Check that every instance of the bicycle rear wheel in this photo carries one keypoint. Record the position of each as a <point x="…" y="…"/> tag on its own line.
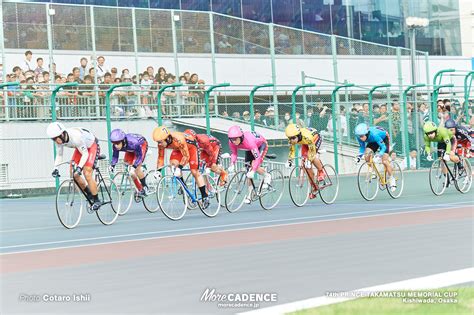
<point x="299" y="186"/>
<point x="69" y="204"/>
<point x="367" y="182"/>
<point x="464" y="179"/>
<point x="171" y="198"/>
<point x="269" y="197"/>
<point x="214" y="197"/>
<point x="236" y="192"/>
<point x="396" y="191"/>
<point x="329" y="187"/>
<point x="127" y="189"/>
<point x="111" y="202"/>
<point x="438" y="180"/>
<point x="150" y="202"/>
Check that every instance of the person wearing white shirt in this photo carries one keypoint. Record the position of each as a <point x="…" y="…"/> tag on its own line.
<point x="412" y="158"/>
<point x="28" y="64"/>
<point x="101" y="68"/>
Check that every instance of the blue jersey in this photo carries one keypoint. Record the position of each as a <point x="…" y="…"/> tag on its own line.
<point x="376" y="135"/>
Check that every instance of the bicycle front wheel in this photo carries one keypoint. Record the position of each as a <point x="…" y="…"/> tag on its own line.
<point x="438" y="179"/>
<point x="191" y="185"/>
<point x="69" y="204"/>
<point x="329" y="187"/>
<point x="150" y="202"/>
<point x="236" y="192"/>
<point x="395" y="191"/>
<point x="214" y="197"/>
<point x="368" y="182"/>
<point x="299" y="186"/>
<point x="270" y="194"/>
<point x="464" y="179"/>
<point x="127" y="189"/>
<point x="171" y="198"/>
<point x="111" y="202"/>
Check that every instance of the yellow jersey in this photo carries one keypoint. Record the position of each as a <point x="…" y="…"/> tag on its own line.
<point x="309" y="137"/>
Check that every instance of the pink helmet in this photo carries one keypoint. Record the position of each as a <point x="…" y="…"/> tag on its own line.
<point x="235" y="132"/>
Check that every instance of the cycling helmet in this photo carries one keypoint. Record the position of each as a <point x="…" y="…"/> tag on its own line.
<point x="191" y="132"/>
<point x="292" y="130"/>
<point x="117" y="135"/>
<point x="235" y="132"/>
<point x="161" y="133"/>
<point x="361" y="129"/>
<point x="55" y="129"/>
<point x="429" y="127"/>
<point x="450" y="123"/>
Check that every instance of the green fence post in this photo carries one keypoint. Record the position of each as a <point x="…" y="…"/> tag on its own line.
<point x="371" y="92"/>
<point x="160" y="92"/>
<point x="53" y="114"/>
<point x="252" y="111"/>
<point x="206" y="98"/>
<point x="405" y="121"/>
<point x="434" y="98"/>
<point x="107" y="111"/>
<point x="439" y="75"/>
<point x="334" y="127"/>
<point x="467" y="92"/>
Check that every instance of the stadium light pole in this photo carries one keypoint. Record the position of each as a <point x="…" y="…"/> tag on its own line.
<point x="414" y="23"/>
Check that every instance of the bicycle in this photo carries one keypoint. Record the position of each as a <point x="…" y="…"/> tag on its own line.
<point x="130" y="193"/>
<point x="300" y="184"/>
<point x="175" y="197"/>
<point x="69" y="196"/>
<point x="370" y="179"/>
<point x="441" y="175"/>
<point x="237" y="189"/>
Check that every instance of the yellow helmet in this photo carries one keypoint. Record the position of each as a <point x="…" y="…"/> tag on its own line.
<point x="160" y="133"/>
<point x="292" y="130"/>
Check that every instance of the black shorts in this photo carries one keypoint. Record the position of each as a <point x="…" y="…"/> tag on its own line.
<point x="442" y="146"/>
<point x="374" y="146"/>
<point x="249" y="156"/>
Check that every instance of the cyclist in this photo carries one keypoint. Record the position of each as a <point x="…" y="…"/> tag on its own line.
<point x="184" y="151"/>
<point x="85" y="156"/>
<point x="210" y="148"/>
<point x="135" y="147"/>
<point x="255" y="147"/>
<point x="375" y="139"/>
<point x="310" y="141"/>
<point x="462" y="134"/>
<point x="445" y="139"/>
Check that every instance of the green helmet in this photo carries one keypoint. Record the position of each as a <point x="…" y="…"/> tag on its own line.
<point x="429" y="127"/>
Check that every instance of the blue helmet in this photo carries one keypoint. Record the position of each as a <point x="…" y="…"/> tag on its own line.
<point x="117" y="135"/>
<point x="361" y="129"/>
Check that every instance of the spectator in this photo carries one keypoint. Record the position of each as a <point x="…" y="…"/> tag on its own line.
<point x="113" y="72"/>
<point x="381" y="118"/>
<point x="28" y="63"/>
<point x="39" y="66"/>
<point x="287" y="120"/>
<point x="101" y="69"/>
<point x="396" y="125"/>
<point x="299" y="121"/>
<point x="151" y="71"/>
<point x="87" y="89"/>
<point x="225" y="114"/>
<point x="269" y="119"/>
<point x="160" y="77"/>
<point x="187" y="75"/>
<point x="92" y="74"/>
<point x="322" y="111"/>
<point x="146" y="85"/>
<point x="353" y="117"/>
<point x="76" y="73"/>
<point x="236" y="116"/>
<point x="17" y="72"/>
<point x="224" y="43"/>
<point x="193" y="80"/>
<point x="83" y="68"/>
<point x="412" y="157"/>
<point x="125" y="73"/>
<point x="258" y="117"/>
<point x="364" y="114"/>
<point x="308" y="121"/>
<point x="246" y="116"/>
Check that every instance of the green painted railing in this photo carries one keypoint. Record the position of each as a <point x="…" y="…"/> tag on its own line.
<point x="252" y="110"/>
<point x="434" y="98"/>
<point x="334" y="126"/>
<point x="467" y="91"/>
<point x="405" y="122"/>
<point x="206" y="100"/>
<point x="160" y="93"/>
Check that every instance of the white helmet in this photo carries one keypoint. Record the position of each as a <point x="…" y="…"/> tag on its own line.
<point x="55" y="129"/>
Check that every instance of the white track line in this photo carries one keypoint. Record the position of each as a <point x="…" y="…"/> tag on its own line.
<point x="435" y="281"/>
<point x="212" y="227"/>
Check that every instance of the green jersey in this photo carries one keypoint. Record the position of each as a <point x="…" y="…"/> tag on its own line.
<point x="442" y="135"/>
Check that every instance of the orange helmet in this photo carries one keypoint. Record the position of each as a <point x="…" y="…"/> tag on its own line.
<point x="160" y="133"/>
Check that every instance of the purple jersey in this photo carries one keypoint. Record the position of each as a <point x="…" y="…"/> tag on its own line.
<point x="133" y="144"/>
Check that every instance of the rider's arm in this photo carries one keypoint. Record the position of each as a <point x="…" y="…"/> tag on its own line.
<point x="446" y="139"/>
<point x="82" y="148"/>
<point x="233" y="152"/>
<point x="115" y="156"/>
<point x="427" y="144"/>
<point x="292" y="152"/>
<point x="183" y="148"/>
<point x="383" y="147"/>
<point x="161" y="157"/>
<point x="258" y="157"/>
<point x="312" y="149"/>
<point x="362" y="146"/>
<point x="59" y="155"/>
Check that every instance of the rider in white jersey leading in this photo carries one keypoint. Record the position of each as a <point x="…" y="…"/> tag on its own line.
<point x="85" y="156"/>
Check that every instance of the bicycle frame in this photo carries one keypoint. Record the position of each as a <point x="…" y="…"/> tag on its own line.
<point x="314" y="185"/>
<point x="186" y="189"/>
<point x="99" y="179"/>
<point x="382" y="178"/>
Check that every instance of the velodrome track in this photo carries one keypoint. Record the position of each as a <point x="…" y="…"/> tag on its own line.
<point x="146" y="263"/>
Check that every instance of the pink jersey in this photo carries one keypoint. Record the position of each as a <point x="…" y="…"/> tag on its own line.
<point x="253" y="142"/>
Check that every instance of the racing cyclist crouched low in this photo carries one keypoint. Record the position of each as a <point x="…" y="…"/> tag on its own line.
<point x="375" y="140"/>
<point x="310" y="141"/>
<point x="135" y="147"/>
<point x="85" y="156"/>
<point x="210" y="148"/>
<point x="184" y="151"/>
<point x="255" y="147"/>
<point x="464" y="137"/>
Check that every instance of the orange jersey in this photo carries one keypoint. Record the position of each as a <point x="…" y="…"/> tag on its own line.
<point x="182" y="143"/>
